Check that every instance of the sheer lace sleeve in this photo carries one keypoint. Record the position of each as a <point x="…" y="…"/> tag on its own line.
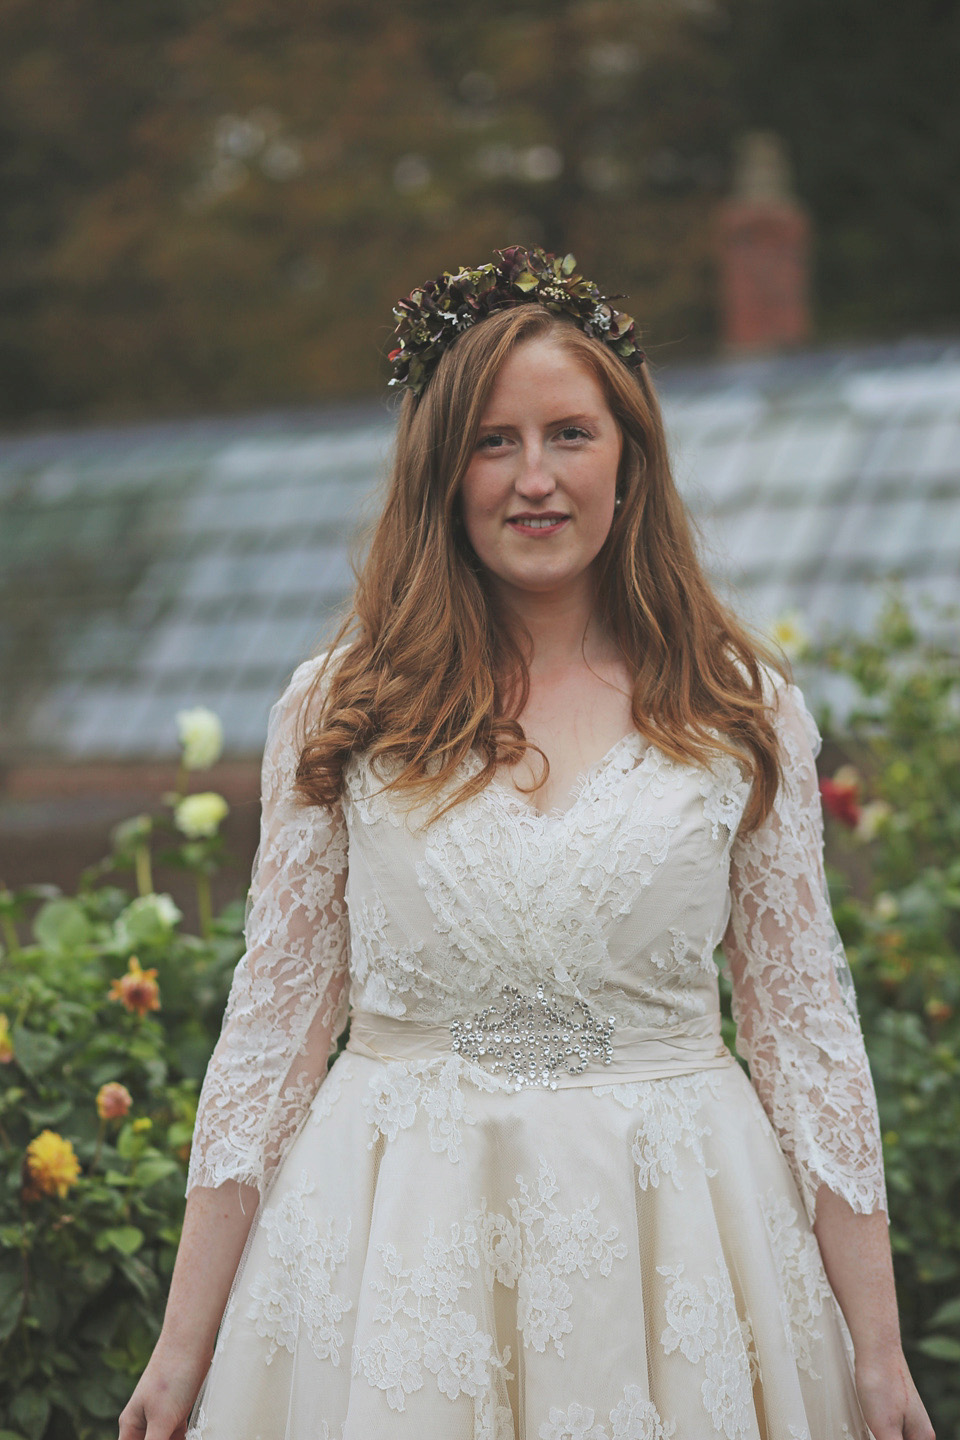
<point x="289" y="997"/>
<point x="793" y="997"/>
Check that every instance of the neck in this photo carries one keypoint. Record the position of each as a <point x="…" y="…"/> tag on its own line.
<point x="562" y="626"/>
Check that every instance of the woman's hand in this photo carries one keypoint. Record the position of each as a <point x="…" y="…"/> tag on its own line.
<point x="160" y="1406"/>
<point x="889" y="1400"/>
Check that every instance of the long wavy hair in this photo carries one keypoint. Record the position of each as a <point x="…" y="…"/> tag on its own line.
<point x="435" y="670"/>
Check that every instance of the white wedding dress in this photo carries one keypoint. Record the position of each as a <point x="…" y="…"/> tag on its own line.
<point x="536" y="1197"/>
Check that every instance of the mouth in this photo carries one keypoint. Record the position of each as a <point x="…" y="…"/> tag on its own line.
<point x="536" y="525"/>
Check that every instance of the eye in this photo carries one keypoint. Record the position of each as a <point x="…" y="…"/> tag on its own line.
<point x="574" y="432"/>
<point x="493" y="441"/>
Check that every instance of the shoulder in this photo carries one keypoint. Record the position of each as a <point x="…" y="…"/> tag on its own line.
<point x="790" y="713"/>
<point x="307" y="672"/>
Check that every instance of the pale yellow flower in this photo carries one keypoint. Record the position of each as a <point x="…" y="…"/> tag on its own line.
<point x="201" y="735"/>
<point x="872" y="817"/>
<point x="52" y="1163"/>
<point x="199" y="816"/>
<point x="6" y="1044"/>
<point x="885" y="907"/>
<point x="790" y="632"/>
<point x="113" y="1100"/>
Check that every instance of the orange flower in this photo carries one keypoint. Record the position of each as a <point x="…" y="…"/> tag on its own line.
<point x="113" y="1101"/>
<point x="138" y="989"/>
<point x="52" y="1164"/>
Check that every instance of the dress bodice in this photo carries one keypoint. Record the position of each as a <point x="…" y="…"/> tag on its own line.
<point x="617" y="902"/>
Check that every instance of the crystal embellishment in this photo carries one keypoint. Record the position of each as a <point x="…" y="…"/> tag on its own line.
<point x="534" y="1039"/>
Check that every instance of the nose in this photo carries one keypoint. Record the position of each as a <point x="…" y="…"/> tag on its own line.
<point x="534" y="482"/>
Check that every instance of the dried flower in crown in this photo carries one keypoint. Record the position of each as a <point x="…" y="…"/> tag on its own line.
<point x="431" y="317"/>
<point x="138" y="990"/>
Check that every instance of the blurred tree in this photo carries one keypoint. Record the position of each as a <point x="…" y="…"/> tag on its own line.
<point x="214" y="206"/>
<point x="864" y="94"/>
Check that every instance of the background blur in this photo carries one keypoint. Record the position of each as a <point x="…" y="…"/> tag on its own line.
<point x="209" y="210"/>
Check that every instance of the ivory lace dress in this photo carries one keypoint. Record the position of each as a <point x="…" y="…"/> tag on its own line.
<point x="536" y="1197"/>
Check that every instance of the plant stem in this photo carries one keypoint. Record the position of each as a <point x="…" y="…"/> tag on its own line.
<point x="96" y="1154"/>
<point x="144" y="876"/>
<point x="10" y="935"/>
<point x="204" y="905"/>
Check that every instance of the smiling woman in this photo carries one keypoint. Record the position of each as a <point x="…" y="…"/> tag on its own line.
<point x="535" y="1197"/>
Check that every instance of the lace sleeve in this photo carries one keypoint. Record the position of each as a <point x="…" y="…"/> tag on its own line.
<point x="289" y="997"/>
<point x="793" y="998"/>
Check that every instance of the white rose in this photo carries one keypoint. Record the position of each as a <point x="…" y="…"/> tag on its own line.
<point x="199" y="816"/>
<point x="201" y="735"/>
<point x="147" y="920"/>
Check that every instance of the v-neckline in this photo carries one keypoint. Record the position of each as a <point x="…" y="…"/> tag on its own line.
<point x="556" y="813"/>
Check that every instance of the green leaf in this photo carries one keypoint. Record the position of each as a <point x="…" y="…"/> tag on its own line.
<point x="149" y="1171"/>
<point x="11" y="1299"/>
<point x="97" y="1399"/>
<point x="62" y="925"/>
<point x="569" y="265"/>
<point x="34" y="1051"/>
<point x="947" y="1314"/>
<point x="526" y="281"/>
<point x="125" y="1238"/>
<point x="31" y="1411"/>
<point x="940" y="1347"/>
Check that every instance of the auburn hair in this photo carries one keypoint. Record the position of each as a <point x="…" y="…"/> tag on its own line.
<point x="434" y="670"/>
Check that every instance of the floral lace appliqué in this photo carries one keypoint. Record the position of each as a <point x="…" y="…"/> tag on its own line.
<point x="703" y="1324"/>
<point x="295" y="1292"/>
<point x="402" y="1088"/>
<point x="670" y="1110"/>
<point x="803" y="1283"/>
<point x="635" y="1417"/>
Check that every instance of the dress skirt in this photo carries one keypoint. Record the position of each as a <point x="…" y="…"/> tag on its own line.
<point x="443" y="1257"/>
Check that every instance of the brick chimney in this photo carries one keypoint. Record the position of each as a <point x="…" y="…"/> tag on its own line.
<point x="763" y="237"/>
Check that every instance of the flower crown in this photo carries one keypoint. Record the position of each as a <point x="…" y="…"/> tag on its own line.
<point x="431" y="317"/>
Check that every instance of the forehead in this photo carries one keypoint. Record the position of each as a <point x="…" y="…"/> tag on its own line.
<point x="544" y="370"/>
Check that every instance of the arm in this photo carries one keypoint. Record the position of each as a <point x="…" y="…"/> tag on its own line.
<point x="799" y="1031"/>
<point x="286" y="1010"/>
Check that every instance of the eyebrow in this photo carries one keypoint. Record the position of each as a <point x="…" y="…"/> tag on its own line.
<point x="561" y="420"/>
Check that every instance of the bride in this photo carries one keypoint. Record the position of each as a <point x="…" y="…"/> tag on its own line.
<point x="504" y="829"/>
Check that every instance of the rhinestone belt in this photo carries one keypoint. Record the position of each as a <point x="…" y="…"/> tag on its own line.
<point x="534" y="1039"/>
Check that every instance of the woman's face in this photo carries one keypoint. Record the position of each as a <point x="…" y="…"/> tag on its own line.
<point x="549" y="449"/>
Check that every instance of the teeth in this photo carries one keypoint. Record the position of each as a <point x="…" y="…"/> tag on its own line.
<point x="537" y="524"/>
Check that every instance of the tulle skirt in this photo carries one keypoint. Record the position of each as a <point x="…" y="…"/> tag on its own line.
<point x="441" y="1257"/>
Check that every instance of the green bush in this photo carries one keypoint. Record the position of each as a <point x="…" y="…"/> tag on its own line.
<point x="83" y="1274"/>
<point x="109" y="992"/>
<point x="894" y="843"/>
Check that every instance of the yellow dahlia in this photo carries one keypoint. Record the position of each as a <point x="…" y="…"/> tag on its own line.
<point x="52" y="1163"/>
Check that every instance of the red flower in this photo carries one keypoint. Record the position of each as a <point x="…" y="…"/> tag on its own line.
<point x="840" y="799"/>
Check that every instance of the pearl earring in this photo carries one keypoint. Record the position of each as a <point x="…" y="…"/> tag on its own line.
<point x="619" y="500"/>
